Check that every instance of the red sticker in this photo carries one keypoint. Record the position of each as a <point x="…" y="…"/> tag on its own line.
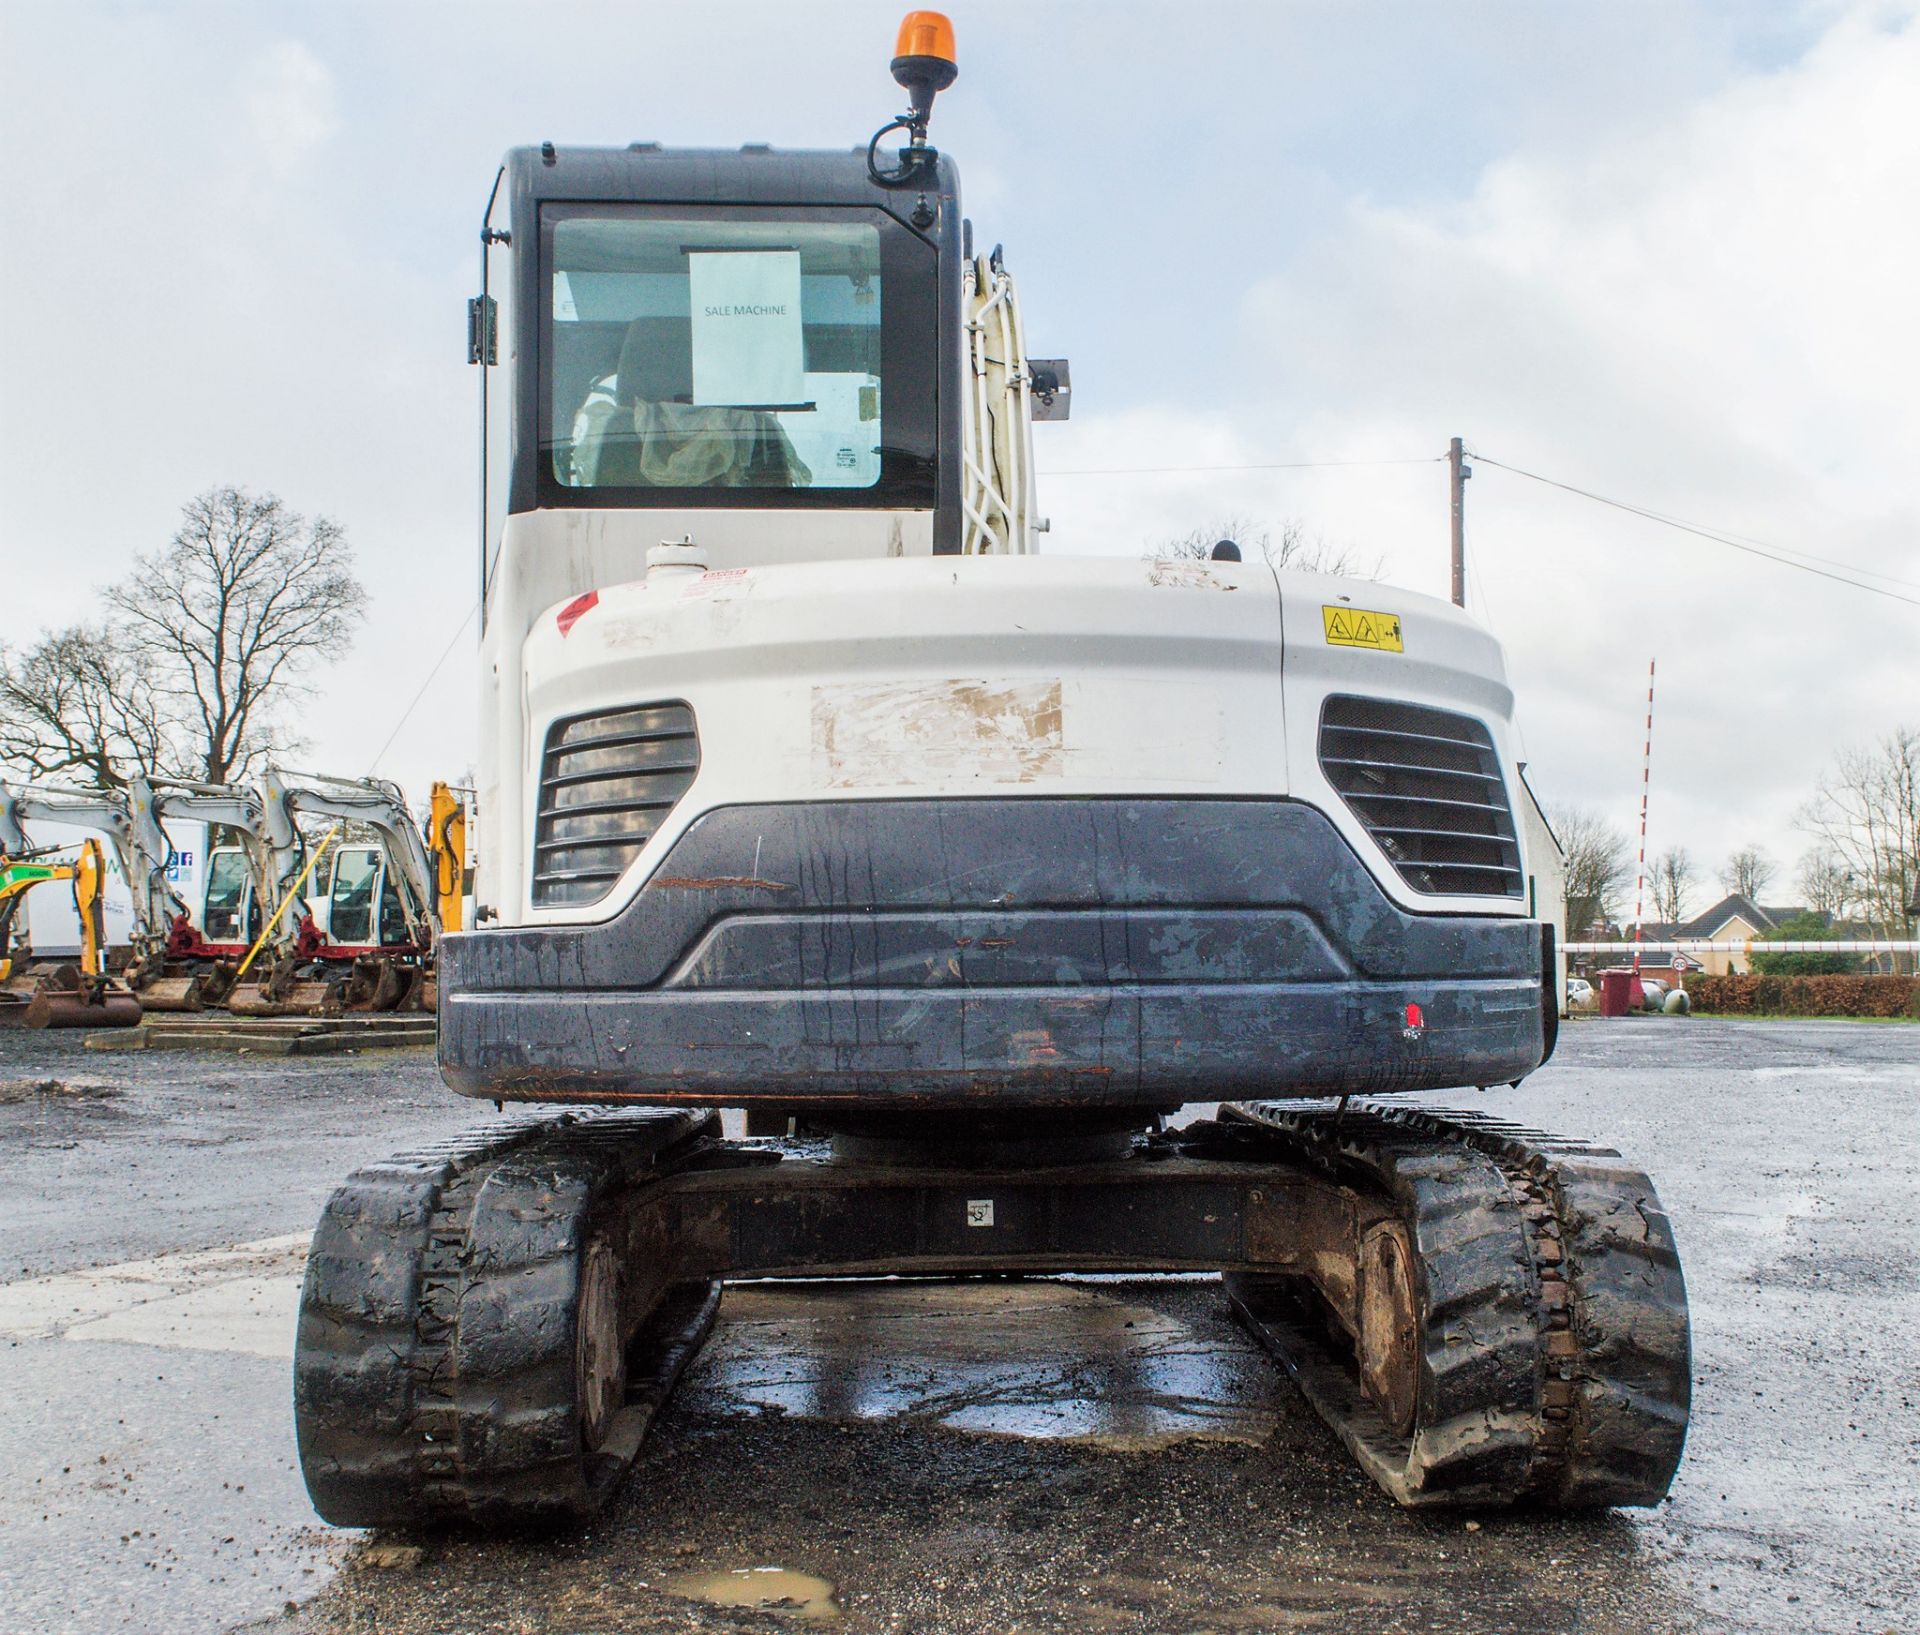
<point x="569" y="615"/>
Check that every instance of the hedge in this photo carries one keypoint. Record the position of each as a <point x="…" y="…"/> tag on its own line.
<point x="1805" y="995"/>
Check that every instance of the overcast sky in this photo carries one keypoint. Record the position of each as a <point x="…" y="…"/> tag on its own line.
<point x="1667" y="252"/>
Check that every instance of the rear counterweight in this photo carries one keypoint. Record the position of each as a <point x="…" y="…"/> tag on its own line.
<point x="1013" y="953"/>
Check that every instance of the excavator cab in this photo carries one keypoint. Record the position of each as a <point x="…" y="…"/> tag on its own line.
<point x="813" y="788"/>
<point x="695" y="324"/>
<point x="358" y="904"/>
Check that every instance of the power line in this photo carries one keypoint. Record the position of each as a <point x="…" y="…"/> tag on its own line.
<point x="1734" y="542"/>
<point x="1273" y="465"/>
<point x="407" y="713"/>
<point x="1723" y="535"/>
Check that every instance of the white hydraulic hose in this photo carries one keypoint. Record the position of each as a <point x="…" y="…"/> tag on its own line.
<point x="997" y="490"/>
<point x="980" y="455"/>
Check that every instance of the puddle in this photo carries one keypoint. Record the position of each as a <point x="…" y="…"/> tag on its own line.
<point x="1031" y="1359"/>
<point x="776" y="1589"/>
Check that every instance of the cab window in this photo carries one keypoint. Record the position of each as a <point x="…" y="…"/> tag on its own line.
<point x="224" y="916"/>
<point x="686" y="355"/>
<point x="350" y="919"/>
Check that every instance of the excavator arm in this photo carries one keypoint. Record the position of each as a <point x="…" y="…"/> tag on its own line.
<point x="127" y="822"/>
<point x="61" y="995"/>
<point x="381" y="807"/>
<point x="18" y="876"/>
<point x="270" y="844"/>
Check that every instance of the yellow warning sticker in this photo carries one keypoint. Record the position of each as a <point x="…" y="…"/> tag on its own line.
<point x="1361" y="627"/>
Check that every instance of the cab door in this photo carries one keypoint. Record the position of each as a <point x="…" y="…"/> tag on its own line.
<point x="356" y="880"/>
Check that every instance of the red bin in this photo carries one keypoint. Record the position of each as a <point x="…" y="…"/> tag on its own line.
<point x="1619" y="993"/>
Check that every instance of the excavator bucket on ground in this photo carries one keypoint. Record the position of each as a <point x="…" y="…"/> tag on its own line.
<point x="177" y="991"/>
<point x="64" y="995"/>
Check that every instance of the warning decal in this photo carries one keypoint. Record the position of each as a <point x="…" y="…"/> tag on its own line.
<point x="1361" y="627"/>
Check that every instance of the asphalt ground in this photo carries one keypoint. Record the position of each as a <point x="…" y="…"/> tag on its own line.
<point x="1084" y="1455"/>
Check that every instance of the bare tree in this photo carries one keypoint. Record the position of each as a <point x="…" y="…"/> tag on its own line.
<point x="1293" y="549"/>
<point x="1747" y="872"/>
<point x="233" y="614"/>
<point x="1599" y="864"/>
<point x="1867" y="814"/>
<point x="1672" y="874"/>
<point x="77" y="705"/>
<point x="1826" y="883"/>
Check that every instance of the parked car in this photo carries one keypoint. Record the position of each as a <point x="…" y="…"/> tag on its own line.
<point x="1580" y="994"/>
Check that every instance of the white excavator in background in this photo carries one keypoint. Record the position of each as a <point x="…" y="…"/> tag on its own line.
<point x="292" y="919"/>
<point x="57" y="992"/>
<point x="198" y="954"/>
<point x="371" y="947"/>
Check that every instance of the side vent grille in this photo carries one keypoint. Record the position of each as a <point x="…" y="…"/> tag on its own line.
<point x="606" y="783"/>
<point x="1427" y="785"/>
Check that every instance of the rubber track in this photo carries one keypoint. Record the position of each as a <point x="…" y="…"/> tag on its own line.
<point x="434" y="1374"/>
<point x="1555" y="1294"/>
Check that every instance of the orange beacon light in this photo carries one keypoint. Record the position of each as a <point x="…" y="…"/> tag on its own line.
<point x="924" y="60"/>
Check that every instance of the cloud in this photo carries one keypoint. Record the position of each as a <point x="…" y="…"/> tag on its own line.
<point x="1709" y="312"/>
<point x="1657" y="251"/>
<point x="290" y="105"/>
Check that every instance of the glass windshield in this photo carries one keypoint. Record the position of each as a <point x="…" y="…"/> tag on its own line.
<point x="393" y="918"/>
<point x="226" y="902"/>
<point x="733" y="351"/>
<point x="350" y="920"/>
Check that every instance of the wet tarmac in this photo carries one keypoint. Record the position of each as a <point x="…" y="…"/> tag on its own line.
<point x="1037" y="1455"/>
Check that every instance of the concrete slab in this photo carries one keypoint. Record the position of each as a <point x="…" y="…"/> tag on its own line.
<point x="243" y="1298"/>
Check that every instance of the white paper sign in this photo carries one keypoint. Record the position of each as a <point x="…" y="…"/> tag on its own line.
<point x="747" y="346"/>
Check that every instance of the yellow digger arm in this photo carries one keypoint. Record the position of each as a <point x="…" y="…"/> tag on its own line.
<point x="447" y="844"/>
<point x="89" y="898"/>
<point x="16" y="880"/>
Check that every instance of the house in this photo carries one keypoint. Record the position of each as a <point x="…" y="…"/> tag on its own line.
<point x="1651" y="931"/>
<point x="1735" y="918"/>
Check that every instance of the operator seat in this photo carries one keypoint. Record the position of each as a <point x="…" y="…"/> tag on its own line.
<point x="652" y="434"/>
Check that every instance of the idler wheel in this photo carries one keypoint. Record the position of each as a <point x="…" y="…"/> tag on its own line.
<point x="600" y="1367"/>
<point x="1388" y="1345"/>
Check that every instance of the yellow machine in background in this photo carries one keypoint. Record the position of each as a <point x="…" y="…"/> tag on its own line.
<point x="447" y="842"/>
<point x="47" y="995"/>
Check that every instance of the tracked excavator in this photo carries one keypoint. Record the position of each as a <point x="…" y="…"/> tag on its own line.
<point x="815" y="789"/>
<point x="192" y="965"/>
<point x="61" y="994"/>
<point x="174" y="966"/>
<point x="376" y="953"/>
<point x="261" y="950"/>
<point x="255" y="946"/>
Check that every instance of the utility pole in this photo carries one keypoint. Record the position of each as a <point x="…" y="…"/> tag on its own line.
<point x="1459" y="471"/>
